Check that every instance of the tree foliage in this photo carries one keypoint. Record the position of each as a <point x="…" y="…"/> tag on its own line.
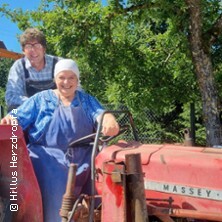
<point x="5" y="65"/>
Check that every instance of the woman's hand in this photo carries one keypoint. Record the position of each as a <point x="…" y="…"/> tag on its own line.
<point x="110" y="126"/>
<point x="9" y="120"/>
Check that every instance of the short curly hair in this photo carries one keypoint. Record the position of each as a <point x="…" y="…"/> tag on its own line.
<point x="31" y="34"/>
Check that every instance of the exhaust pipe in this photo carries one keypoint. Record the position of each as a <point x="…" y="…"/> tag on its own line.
<point x="136" y="200"/>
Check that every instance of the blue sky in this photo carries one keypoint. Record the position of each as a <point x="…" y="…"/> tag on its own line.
<point x="9" y="30"/>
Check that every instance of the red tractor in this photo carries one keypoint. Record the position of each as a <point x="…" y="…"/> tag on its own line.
<point x="133" y="182"/>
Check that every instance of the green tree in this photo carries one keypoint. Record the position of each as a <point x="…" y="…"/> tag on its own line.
<point x="5" y="65"/>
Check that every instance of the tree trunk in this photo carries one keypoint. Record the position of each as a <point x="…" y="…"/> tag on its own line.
<point x="200" y="49"/>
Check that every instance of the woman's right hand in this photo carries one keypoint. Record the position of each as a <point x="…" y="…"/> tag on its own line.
<point x="9" y="120"/>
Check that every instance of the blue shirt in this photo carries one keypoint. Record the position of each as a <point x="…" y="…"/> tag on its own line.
<point x="37" y="111"/>
<point x="16" y="88"/>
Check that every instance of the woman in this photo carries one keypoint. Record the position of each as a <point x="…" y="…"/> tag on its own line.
<point x="53" y="119"/>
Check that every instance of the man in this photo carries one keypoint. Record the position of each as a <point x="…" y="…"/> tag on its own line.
<point x="30" y="74"/>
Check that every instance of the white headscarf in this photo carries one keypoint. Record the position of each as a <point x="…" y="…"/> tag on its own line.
<point x="66" y="65"/>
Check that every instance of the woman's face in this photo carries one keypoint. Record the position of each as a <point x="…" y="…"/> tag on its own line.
<point x="66" y="82"/>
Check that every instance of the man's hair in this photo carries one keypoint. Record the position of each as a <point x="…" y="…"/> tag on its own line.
<point x="31" y="34"/>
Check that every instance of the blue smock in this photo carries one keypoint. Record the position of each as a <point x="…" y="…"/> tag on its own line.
<point x="51" y="158"/>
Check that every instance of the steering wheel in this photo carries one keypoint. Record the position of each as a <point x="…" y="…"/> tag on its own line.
<point x="89" y="139"/>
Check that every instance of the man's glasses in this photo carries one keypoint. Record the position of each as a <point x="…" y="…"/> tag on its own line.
<point x="33" y="46"/>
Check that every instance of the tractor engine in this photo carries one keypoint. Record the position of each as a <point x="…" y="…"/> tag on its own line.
<point x="175" y="181"/>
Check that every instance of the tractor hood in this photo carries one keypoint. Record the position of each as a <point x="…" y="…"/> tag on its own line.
<point x="191" y="176"/>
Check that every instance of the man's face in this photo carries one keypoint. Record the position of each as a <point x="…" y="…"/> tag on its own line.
<point x="35" y="52"/>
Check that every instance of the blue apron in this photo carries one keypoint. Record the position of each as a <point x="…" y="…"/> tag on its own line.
<point x="51" y="158"/>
